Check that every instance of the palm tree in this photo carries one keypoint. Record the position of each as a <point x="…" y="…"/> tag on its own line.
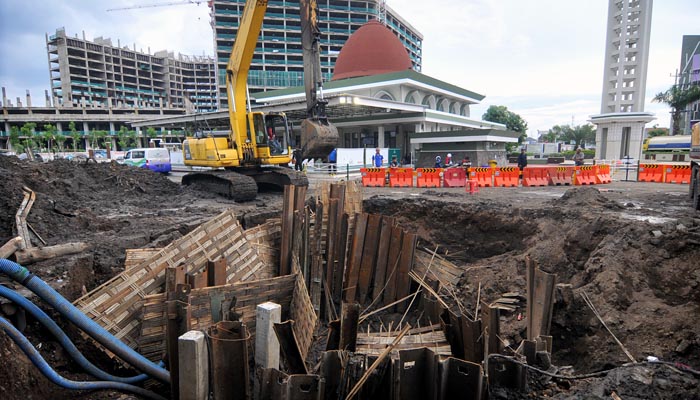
<point x="677" y="98"/>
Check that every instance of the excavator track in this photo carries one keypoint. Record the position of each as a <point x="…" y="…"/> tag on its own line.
<point x="233" y="185"/>
<point x="278" y="177"/>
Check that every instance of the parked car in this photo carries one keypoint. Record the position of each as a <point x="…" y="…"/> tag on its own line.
<point x="155" y="159"/>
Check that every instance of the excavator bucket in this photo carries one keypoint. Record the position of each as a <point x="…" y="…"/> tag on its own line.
<point x="318" y="139"/>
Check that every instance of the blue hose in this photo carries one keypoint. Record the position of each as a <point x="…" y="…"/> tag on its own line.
<point x="63" y="339"/>
<point x="54" y="377"/>
<point x="65" y="308"/>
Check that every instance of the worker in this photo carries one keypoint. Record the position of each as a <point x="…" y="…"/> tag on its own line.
<point x="438" y="162"/>
<point x="448" y="160"/>
<point x="394" y="162"/>
<point x="296" y="156"/>
<point x="578" y="157"/>
<point x="522" y="160"/>
<point x="377" y="159"/>
<point x="332" y="157"/>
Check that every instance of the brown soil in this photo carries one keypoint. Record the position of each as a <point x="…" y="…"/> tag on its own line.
<point x="633" y="248"/>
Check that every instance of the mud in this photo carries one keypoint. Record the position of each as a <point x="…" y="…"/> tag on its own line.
<point x="632" y="248"/>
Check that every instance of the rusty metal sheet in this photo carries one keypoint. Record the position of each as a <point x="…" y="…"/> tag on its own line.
<point x="304" y="387"/>
<point x="331" y="238"/>
<point x="290" y="347"/>
<point x="339" y="267"/>
<point x="228" y="345"/>
<point x="403" y="280"/>
<point x="353" y="269"/>
<point x="503" y="373"/>
<point x="216" y="272"/>
<point x="491" y="329"/>
<point x="392" y="265"/>
<point x="543" y="302"/>
<point x="287" y="230"/>
<point x="198" y="280"/>
<point x="461" y="380"/>
<point x="349" y="317"/>
<point x="380" y="269"/>
<point x="333" y="340"/>
<point x="472" y="340"/>
<point x="331" y="370"/>
<point x="273" y="385"/>
<point x="174" y="276"/>
<point x="178" y="323"/>
<point x="369" y="256"/>
<point x="418" y="374"/>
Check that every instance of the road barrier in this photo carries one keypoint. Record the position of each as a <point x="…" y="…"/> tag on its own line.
<point x="483" y="176"/>
<point x="428" y="177"/>
<point x="535" y="176"/>
<point x="506" y="176"/>
<point x="650" y="173"/>
<point x="373" y="177"/>
<point x="560" y="176"/>
<point x="677" y="174"/>
<point x="602" y="174"/>
<point x="455" y="177"/>
<point x="584" y="175"/>
<point x="401" y="177"/>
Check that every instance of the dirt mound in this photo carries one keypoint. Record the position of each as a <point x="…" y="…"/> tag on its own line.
<point x="585" y="196"/>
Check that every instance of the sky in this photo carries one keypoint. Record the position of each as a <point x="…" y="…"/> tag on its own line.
<point x="543" y="59"/>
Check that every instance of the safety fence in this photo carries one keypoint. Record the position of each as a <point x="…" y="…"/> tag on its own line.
<point x="513" y="177"/>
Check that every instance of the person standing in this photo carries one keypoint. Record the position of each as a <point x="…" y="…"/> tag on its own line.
<point x="522" y="160"/>
<point x="297" y="159"/>
<point x="394" y="162"/>
<point x="377" y="159"/>
<point x="578" y="157"/>
<point x="438" y="162"/>
<point x="332" y="158"/>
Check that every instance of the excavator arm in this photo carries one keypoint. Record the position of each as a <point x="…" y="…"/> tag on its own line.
<point x="318" y="135"/>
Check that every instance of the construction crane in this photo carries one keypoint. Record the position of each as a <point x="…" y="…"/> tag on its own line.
<point x="172" y="3"/>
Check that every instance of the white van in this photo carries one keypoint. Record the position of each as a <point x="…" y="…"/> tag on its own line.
<point x="155" y="159"/>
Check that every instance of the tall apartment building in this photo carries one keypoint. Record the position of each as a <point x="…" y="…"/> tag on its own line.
<point x="689" y="75"/>
<point x="278" y="61"/>
<point x="620" y="126"/>
<point x="99" y="73"/>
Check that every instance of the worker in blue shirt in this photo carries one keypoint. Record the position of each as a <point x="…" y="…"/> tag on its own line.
<point x="377" y="159"/>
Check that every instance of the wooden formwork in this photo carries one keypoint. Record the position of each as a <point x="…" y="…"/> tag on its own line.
<point x="431" y="337"/>
<point x="116" y="304"/>
<point x="240" y="297"/>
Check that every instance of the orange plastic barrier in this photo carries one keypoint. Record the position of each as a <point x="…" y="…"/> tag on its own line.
<point x="535" y="176"/>
<point x="506" y="176"/>
<point x="428" y="177"/>
<point x="454" y="177"/>
<point x="401" y="177"/>
<point x="650" y="173"/>
<point x="560" y="176"/>
<point x="472" y="186"/>
<point x="677" y="174"/>
<point x="483" y="176"/>
<point x="602" y="174"/>
<point x="373" y="177"/>
<point x="585" y="175"/>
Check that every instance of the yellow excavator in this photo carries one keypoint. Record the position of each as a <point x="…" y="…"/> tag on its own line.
<point x="257" y="150"/>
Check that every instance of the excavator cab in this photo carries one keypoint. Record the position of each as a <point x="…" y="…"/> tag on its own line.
<point x="272" y="137"/>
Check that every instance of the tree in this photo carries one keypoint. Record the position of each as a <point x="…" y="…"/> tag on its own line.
<point x="14" y="137"/>
<point x="677" y="98"/>
<point x="28" y="132"/>
<point x="579" y="134"/>
<point x="49" y="136"/>
<point x="511" y="120"/>
<point x="74" y="134"/>
<point x="151" y="134"/>
<point x="656" y="131"/>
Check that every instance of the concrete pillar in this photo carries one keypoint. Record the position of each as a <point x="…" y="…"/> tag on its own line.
<point x="267" y="348"/>
<point x="29" y="99"/>
<point x="193" y="358"/>
<point x="380" y="134"/>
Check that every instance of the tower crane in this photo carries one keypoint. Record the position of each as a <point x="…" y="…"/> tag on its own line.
<point x="171" y="3"/>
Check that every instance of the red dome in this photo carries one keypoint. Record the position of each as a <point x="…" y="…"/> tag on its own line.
<point x="371" y="50"/>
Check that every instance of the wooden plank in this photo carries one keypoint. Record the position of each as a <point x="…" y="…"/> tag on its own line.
<point x="380" y="269"/>
<point x="392" y="265"/>
<point x="353" y="270"/>
<point x="369" y="256"/>
<point x="403" y="280"/>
